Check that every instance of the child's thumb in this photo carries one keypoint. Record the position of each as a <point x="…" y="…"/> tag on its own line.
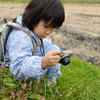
<point x="55" y="52"/>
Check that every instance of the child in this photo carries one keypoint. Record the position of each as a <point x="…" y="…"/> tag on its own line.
<point x="39" y="19"/>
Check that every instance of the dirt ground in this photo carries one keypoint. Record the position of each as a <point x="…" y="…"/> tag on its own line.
<point x="80" y="32"/>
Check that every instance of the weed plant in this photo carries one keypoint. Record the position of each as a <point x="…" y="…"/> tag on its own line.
<point x="79" y="81"/>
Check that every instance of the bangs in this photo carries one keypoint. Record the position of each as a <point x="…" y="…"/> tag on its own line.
<point x="54" y="22"/>
<point x="54" y="16"/>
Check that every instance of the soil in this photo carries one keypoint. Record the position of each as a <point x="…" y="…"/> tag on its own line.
<point x="80" y="32"/>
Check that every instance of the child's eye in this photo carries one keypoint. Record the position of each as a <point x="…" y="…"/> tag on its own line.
<point x="46" y="26"/>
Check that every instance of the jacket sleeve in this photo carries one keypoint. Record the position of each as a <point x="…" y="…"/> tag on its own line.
<point x="23" y="63"/>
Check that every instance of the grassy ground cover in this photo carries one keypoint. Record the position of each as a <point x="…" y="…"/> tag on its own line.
<point x="79" y="81"/>
<point x="64" y="1"/>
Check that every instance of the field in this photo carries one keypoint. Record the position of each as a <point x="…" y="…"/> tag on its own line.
<point x="79" y="33"/>
<point x="64" y="1"/>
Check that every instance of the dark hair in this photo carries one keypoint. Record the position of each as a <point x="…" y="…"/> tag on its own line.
<point x="48" y="10"/>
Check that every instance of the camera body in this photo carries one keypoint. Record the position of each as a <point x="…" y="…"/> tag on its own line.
<point x="65" y="57"/>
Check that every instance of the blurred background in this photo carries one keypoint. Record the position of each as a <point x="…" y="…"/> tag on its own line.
<point x="80" y="31"/>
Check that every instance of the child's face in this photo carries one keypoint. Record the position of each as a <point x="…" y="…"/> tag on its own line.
<point x="42" y="30"/>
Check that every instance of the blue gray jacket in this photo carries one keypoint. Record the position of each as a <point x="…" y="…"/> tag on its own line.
<point x="19" y="51"/>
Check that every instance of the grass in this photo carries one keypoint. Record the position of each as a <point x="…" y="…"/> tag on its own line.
<point x="82" y="1"/>
<point x="16" y="1"/>
<point x="79" y="81"/>
<point x="81" y="74"/>
<point x="64" y="1"/>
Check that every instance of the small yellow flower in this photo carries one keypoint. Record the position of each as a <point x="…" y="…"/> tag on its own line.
<point x="49" y="79"/>
<point x="68" y="95"/>
<point x="70" y="89"/>
<point x="38" y="96"/>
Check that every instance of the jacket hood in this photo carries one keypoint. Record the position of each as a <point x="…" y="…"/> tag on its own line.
<point x="19" y="21"/>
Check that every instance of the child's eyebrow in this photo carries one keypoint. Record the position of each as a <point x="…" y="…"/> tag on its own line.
<point x="46" y="24"/>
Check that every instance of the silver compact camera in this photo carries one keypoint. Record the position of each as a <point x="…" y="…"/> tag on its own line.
<point x="65" y="57"/>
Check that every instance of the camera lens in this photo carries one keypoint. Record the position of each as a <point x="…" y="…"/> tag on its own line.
<point x="65" y="60"/>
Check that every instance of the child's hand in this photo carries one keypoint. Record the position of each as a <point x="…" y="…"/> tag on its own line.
<point x="51" y="58"/>
<point x="47" y="38"/>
